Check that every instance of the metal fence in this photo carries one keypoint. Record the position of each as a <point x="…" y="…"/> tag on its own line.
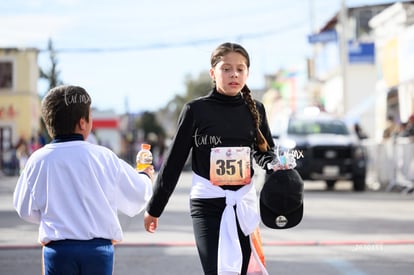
<point x="391" y="164"/>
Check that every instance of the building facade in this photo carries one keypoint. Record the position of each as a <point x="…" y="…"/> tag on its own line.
<point x="19" y="99"/>
<point x="394" y="41"/>
<point x="344" y="70"/>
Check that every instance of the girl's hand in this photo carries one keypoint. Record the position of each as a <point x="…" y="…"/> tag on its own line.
<point x="150" y="222"/>
<point x="283" y="162"/>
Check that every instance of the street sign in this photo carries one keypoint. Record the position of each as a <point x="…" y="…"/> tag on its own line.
<point x="323" y="37"/>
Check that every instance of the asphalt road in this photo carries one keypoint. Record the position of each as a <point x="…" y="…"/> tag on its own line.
<point x="342" y="232"/>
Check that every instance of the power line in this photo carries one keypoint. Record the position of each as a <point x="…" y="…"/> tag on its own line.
<point x="161" y="45"/>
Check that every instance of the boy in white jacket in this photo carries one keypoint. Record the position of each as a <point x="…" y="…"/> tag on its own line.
<point x="73" y="189"/>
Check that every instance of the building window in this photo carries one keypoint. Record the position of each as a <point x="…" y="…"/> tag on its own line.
<point x="6" y="74"/>
<point x="363" y="18"/>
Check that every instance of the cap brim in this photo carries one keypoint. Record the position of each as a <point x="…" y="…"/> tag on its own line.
<point x="280" y="220"/>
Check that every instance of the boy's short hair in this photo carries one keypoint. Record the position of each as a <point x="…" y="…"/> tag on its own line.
<point x="63" y="107"/>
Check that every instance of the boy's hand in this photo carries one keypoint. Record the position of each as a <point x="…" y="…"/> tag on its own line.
<point x="149" y="171"/>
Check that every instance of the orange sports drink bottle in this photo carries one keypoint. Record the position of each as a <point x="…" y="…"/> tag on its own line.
<point x="144" y="157"/>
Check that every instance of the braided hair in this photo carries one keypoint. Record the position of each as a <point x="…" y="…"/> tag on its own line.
<point x="216" y="56"/>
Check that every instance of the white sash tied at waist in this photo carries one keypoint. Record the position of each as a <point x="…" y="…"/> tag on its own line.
<point x="245" y="199"/>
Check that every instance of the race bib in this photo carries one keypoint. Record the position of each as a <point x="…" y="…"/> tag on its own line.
<point x="230" y="165"/>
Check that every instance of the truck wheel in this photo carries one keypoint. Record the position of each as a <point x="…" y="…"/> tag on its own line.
<point x="330" y="184"/>
<point x="359" y="184"/>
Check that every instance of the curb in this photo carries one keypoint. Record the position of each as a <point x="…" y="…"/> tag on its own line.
<point x="289" y="243"/>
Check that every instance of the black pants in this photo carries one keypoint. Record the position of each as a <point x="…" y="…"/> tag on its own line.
<point x="206" y="215"/>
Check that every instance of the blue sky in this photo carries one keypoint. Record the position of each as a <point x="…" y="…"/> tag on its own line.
<point x="137" y="54"/>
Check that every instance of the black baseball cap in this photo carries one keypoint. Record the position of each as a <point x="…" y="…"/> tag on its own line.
<point x="281" y="199"/>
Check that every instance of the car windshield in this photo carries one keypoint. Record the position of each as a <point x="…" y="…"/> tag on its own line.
<point x="308" y="127"/>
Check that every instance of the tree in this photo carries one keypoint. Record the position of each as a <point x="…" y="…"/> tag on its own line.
<point x="198" y="87"/>
<point x="154" y="134"/>
<point x="52" y="74"/>
<point x="195" y="88"/>
<point x="149" y="124"/>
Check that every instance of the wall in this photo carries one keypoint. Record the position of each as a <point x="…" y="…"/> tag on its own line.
<point x="20" y="103"/>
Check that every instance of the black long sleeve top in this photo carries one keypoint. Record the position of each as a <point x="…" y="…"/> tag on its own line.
<point x="215" y="120"/>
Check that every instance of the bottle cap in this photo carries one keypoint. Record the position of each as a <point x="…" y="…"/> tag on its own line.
<point x="146" y="146"/>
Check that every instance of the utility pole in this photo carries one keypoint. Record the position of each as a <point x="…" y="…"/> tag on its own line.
<point x="315" y="95"/>
<point x="344" y="53"/>
<point x="312" y="16"/>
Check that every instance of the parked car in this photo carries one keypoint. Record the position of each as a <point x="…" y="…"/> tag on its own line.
<point x="326" y="149"/>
